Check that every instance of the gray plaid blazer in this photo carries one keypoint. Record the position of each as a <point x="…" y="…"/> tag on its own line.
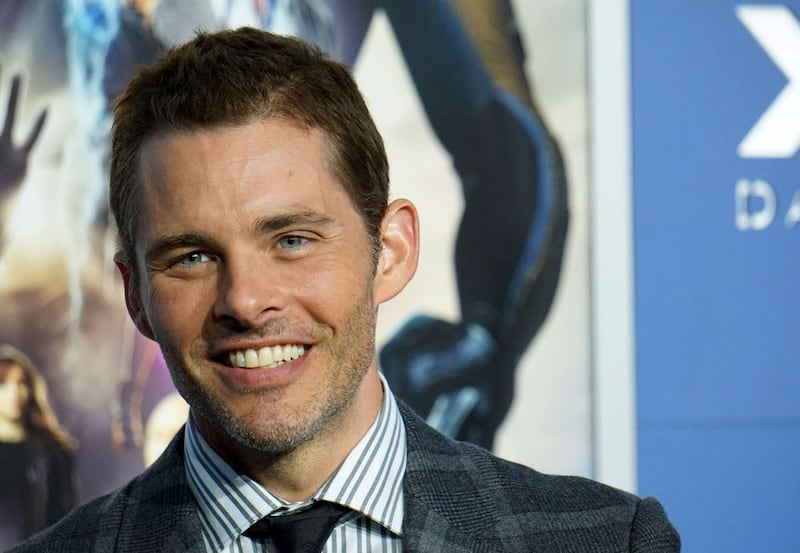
<point x="459" y="498"/>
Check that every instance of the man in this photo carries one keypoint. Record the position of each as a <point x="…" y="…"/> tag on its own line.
<point x="250" y="188"/>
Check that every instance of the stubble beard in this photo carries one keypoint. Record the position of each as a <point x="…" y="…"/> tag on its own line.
<point x="350" y="357"/>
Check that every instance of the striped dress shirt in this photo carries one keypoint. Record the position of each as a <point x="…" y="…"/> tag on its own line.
<point x="369" y="481"/>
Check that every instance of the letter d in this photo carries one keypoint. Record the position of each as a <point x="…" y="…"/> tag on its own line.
<point x="747" y="194"/>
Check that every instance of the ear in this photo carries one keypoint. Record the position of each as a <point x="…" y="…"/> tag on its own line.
<point x="399" y="250"/>
<point x="132" y="300"/>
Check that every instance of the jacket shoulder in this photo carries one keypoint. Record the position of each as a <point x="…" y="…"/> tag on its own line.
<point x="80" y="529"/>
<point x="155" y="511"/>
<point x="461" y="488"/>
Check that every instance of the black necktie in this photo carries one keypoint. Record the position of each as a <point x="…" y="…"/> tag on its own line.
<point x="302" y="532"/>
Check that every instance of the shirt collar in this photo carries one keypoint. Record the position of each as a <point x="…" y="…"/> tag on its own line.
<point x="370" y="480"/>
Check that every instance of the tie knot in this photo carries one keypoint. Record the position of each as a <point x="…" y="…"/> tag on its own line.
<point x="303" y="531"/>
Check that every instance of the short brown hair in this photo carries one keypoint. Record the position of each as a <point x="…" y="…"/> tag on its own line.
<point x="230" y="78"/>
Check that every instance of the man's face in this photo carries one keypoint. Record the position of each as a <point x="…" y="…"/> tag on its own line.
<point x="256" y="278"/>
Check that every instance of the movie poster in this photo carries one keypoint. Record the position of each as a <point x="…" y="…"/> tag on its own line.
<point x="483" y="110"/>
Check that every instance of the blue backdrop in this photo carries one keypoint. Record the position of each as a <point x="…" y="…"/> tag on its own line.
<point x="717" y="268"/>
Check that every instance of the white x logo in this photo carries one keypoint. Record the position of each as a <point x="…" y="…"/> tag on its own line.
<point x="777" y="132"/>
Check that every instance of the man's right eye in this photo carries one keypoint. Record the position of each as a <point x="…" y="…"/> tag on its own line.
<point x="193" y="258"/>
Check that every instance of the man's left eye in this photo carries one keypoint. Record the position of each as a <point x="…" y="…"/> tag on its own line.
<point x="292" y="242"/>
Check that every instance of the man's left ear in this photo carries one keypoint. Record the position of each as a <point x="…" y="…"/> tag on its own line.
<point x="399" y="250"/>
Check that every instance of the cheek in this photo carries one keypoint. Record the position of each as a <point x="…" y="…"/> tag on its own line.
<point x="177" y="310"/>
<point x="335" y="286"/>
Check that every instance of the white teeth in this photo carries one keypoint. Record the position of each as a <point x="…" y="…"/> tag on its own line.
<point x="266" y="356"/>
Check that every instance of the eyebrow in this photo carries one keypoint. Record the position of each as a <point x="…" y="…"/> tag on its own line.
<point x="165" y="245"/>
<point x="274" y="223"/>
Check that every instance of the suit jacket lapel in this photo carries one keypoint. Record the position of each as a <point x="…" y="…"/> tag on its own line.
<point x="435" y="518"/>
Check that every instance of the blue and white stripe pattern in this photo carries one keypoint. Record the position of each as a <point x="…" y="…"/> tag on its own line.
<point x="369" y="481"/>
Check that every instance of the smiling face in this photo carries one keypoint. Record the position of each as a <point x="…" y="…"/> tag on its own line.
<point x="257" y="278"/>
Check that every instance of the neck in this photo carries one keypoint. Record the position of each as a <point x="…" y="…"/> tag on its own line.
<point x="296" y="474"/>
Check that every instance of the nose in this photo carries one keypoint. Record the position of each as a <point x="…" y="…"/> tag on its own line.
<point x="251" y="291"/>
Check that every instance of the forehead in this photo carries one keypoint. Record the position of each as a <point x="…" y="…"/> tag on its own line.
<point x="226" y="143"/>
<point x="228" y="173"/>
<point x="224" y="146"/>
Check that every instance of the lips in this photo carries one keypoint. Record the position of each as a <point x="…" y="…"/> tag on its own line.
<point x="266" y="357"/>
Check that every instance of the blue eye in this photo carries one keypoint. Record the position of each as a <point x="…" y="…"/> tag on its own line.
<point x="194" y="258"/>
<point x="292" y="242"/>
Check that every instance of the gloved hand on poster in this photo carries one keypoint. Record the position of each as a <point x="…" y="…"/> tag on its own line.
<point x="14" y="158"/>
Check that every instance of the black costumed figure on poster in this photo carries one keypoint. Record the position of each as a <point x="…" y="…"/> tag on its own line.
<point x="467" y="62"/>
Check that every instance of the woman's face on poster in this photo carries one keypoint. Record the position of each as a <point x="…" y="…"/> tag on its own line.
<point x="14" y="392"/>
